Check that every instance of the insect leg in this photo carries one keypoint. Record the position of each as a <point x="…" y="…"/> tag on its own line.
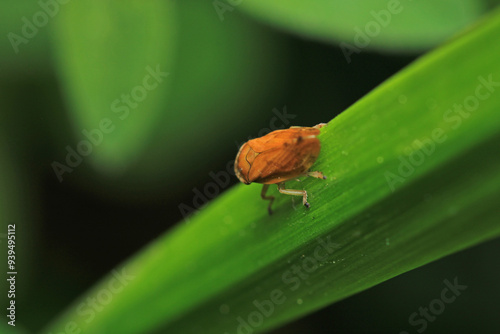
<point x="267" y="198"/>
<point x="316" y="174"/>
<point x="303" y="193"/>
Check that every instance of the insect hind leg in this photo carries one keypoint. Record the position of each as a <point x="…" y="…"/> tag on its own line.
<point x="294" y="192"/>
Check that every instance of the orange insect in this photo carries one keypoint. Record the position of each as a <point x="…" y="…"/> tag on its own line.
<point x="280" y="156"/>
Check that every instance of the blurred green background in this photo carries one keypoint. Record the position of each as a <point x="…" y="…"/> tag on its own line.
<point x="158" y="96"/>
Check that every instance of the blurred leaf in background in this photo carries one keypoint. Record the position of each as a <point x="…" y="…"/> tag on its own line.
<point x="385" y="25"/>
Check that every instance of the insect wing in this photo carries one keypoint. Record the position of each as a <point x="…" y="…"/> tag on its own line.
<point x="290" y="153"/>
